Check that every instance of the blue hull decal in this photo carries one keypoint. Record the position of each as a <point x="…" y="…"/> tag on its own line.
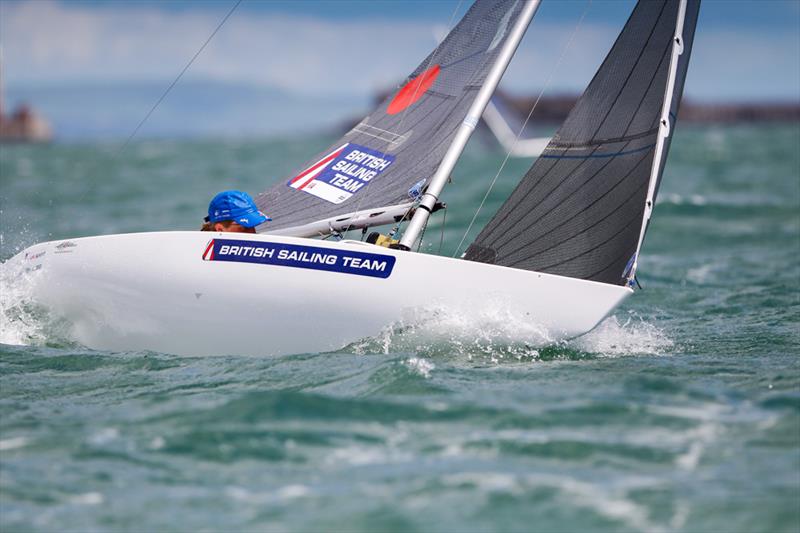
<point x="297" y="256"/>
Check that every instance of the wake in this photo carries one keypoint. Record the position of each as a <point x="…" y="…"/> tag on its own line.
<point x="497" y="334"/>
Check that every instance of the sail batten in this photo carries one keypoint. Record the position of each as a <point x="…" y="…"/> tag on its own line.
<point x="580" y="210"/>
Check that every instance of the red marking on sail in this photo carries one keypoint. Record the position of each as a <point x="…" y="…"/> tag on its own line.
<point x="412" y="91"/>
<point x="310" y="170"/>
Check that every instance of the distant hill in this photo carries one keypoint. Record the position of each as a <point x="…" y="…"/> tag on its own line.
<point x="191" y="109"/>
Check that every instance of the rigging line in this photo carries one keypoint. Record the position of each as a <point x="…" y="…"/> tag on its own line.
<point x="450" y="26"/>
<point x="175" y="81"/>
<point x="525" y="123"/>
<point x="444" y="223"/>
<point x="130" y="138"/>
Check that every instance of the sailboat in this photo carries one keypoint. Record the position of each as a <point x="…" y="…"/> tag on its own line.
<point x="562" y="252"/>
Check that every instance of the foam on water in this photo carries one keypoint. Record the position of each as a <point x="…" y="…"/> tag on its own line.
<point x="495" y="333"/>
<point x="631" y="336"/>
<point x="492" y="331"/>
<point x="420" y="365"/>
<point x="22" y="322"/>
<point x="19" y="321"/>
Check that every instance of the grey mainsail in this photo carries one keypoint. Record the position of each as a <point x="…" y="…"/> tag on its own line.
<point x="386" y="159"/>
<point x="579" y="210"/>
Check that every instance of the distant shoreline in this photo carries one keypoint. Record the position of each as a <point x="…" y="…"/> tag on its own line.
<point x="556" y="108"/>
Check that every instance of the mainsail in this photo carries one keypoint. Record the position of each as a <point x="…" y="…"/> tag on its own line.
<point x="388" y="157"/>
<point x="581" y="209"/>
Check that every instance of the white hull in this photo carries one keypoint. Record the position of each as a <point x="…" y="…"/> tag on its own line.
<point x="155" y="291"/>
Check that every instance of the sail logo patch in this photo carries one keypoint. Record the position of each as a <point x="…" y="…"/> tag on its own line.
<point x="342" y="173"/>
<point x="298" y="256"/>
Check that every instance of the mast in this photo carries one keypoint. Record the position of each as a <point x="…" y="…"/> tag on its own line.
<point x="431" y="195"/>
<point x="664" y="131"/>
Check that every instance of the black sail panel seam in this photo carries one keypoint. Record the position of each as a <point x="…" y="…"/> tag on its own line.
<point x="653" y="77"/>
<point x="617" y="259"/>
<point x="644" y="158"/>
<point x="508" y="237"/>
<point x="513" y="207"/>
<point x="627" y="199"/>
<point x="632" y="70"/>
<point x="590" y="250"/>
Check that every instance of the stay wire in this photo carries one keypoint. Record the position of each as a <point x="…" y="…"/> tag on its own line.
<point x="444" y="223"/>
<point x="141" y="123"/>
<point x="524" y="124"/>
<point x="177" y="79"/>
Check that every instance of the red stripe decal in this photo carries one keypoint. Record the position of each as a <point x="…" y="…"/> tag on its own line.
<point x="210" y="248"/>
<point x="320" y="163"/>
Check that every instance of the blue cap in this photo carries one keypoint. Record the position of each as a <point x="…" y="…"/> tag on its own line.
<point x="237" y="206"/>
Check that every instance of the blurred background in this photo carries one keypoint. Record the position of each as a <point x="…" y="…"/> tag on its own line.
<point x="94" y="68"/>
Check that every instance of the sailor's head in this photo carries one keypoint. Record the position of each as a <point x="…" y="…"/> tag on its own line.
<point x="234" y="211"/>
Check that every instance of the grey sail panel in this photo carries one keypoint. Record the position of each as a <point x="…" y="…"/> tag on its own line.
<point x="578" y="211"/>
<point x="381" y="160"/>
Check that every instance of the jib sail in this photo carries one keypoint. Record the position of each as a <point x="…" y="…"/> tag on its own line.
<point x="580" y="210"/>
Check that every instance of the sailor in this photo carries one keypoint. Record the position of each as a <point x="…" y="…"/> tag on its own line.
<point x="233" y="211"/>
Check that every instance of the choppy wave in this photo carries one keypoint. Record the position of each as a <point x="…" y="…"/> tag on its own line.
<point x="631" y="335"/>
<point x="682" y="415"/>
<point x="20" y="321"/>
<point x="490" y="332"/>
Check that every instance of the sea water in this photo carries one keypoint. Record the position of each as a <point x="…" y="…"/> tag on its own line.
<point x="681" y="412"/>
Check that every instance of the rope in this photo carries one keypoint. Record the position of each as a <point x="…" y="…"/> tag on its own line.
<point x="444" y="223"/>
<point x="175" y="81"/>
<point x="524" y="124"/>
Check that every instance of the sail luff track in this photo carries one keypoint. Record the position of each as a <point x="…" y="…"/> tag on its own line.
<point x="665" y="131"/>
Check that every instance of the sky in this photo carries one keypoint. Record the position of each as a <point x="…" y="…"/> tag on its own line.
<point x="346" y="50"/>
